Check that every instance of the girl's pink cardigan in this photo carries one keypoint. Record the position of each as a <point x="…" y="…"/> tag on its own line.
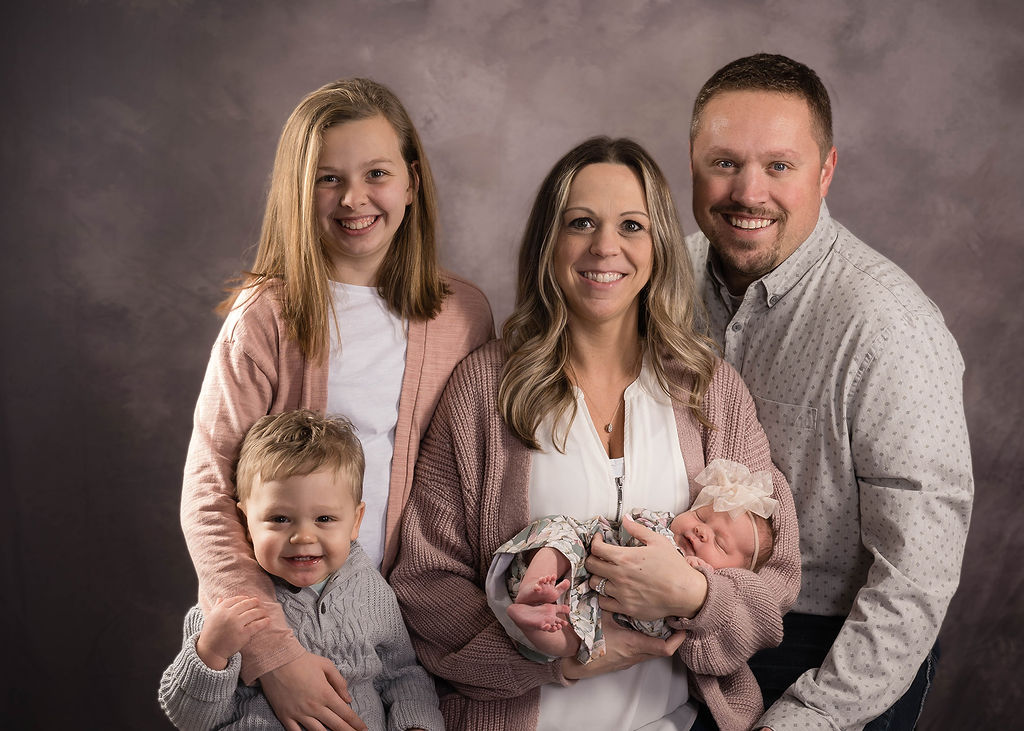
<point x="255" y="369"/>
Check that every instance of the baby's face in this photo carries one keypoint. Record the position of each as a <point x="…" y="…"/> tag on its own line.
<point x="302" y="527"/>
<point x="717" y="538"/>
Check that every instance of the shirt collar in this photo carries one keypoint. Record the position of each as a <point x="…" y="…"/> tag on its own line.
<point x="774" y="285"/>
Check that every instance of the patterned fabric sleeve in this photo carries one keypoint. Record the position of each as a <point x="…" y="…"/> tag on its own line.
<point x="913" y="468"/>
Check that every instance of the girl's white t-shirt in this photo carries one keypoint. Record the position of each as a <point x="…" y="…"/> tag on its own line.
<point x="364" y="382"/>
<point x="652" y="695"/>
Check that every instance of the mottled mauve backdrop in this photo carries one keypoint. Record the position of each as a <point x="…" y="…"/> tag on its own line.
<point x="137" y="139"/>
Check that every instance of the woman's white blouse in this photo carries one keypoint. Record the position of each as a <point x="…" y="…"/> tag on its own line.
<point x="651" y="695"/>
<point x="580" y="482"/>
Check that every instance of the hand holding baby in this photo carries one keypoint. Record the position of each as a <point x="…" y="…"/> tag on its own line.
<point x="647" y="582"/>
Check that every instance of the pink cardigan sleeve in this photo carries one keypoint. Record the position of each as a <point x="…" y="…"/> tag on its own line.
<point x="239" y="388"/>
<point x="743" y="611"/>
<point x="464" y="492"/>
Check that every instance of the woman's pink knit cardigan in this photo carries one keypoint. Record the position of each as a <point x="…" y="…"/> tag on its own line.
<point x="470" y="494"/>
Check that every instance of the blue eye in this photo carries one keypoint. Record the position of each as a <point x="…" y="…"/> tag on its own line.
<point x="377" y="174"/>
<point x="725" y="164"/>
<point x="328" y="179"/>
<point x="779" y="167"/>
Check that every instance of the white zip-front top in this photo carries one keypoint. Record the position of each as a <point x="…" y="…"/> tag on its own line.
<point x="581" y="483"/>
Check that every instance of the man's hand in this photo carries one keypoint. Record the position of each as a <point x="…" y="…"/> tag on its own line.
<point x="229" y="625"/>
<point x="624" y="648"/>
<point x="647" y="582"/>
<point x="309" y="693"/>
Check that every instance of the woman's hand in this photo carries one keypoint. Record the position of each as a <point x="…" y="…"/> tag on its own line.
<point x="624" y="648"/>
<point x="647" y="582"/>
<point x="309" y="693"/>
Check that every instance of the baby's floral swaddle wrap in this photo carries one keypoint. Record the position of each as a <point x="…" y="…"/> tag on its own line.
<point x="728" y="486"/>
<point x="571" y="538"/>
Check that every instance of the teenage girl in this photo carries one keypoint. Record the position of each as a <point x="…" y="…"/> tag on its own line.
<point x="345" y="311"/>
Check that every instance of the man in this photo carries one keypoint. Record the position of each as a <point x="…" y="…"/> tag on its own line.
<point x="858" y="384"/>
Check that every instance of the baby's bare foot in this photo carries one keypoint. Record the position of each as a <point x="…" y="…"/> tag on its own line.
<point x="544" y="591"/>
<point x="539" y="616"/>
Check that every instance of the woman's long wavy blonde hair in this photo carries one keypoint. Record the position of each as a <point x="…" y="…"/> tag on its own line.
<point x="672" y="322"/>
<point x="290" y="246"/>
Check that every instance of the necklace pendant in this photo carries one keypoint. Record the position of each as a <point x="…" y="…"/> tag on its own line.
<point x="609" y="428"/>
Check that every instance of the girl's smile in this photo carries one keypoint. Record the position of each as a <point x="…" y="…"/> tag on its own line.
<point x="357" y="226"/>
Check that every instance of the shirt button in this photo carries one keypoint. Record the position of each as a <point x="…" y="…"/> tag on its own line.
<point x="736" y="327"/>
<point x="323" y="608"/>
<point x="773" y="299"/>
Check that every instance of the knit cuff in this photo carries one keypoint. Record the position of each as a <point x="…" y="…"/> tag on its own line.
<point x="787" y="712"/>
<point x="557" y="676"/>
<point x="202" y="682"/>
<point x="713" y="615"/>
<point x="408" y="714"/>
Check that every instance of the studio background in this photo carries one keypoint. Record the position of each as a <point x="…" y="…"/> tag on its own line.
<point x="137" y="142"/>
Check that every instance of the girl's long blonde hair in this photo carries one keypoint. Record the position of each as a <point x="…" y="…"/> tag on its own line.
<point x="672" y="323"/>
<point x="290" y="246"/>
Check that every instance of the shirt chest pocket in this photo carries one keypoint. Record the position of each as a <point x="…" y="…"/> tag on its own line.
<point x="789" y="427"/>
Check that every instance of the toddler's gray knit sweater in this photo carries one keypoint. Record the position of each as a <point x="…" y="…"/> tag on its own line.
<point x="355" y="622"/>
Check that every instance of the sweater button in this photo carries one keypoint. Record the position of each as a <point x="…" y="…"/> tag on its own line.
<point x="736" y="327"/>
<point x="323" y="608"/>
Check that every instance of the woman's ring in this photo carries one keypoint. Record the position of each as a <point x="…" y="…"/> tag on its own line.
<point x="600" y="587"/>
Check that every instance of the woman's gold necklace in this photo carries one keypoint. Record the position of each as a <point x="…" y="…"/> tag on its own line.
<point x="610" y="426"/>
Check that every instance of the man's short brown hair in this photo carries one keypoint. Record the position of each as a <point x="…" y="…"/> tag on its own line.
<point x="771" y="72"/>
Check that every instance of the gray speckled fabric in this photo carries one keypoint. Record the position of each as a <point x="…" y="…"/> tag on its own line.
<point x="858" y="384"/>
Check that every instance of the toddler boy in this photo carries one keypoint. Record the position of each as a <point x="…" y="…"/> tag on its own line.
<point x="299" y="486"/>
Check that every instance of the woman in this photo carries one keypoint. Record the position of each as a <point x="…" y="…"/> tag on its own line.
<point x="601" y="397"/>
